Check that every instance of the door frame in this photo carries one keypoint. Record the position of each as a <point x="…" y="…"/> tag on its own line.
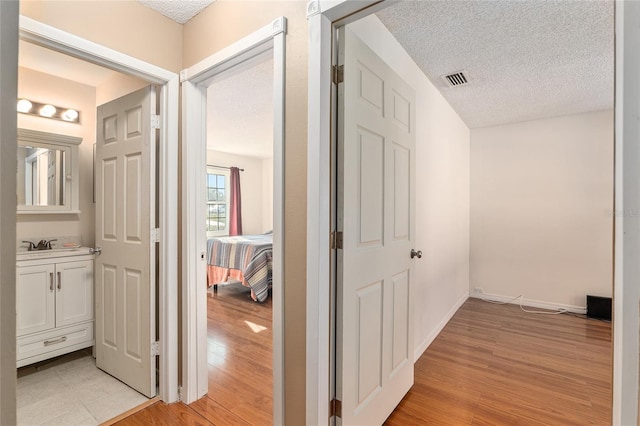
<point x="195" y="81"/>
<point x="9" y="12"/>
<point x="78" y="47"/>
<point x="322" y="17"/>
<point x="626" y="291"/>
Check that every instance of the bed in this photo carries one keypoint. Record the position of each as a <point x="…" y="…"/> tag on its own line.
<point x="246" y="258"/>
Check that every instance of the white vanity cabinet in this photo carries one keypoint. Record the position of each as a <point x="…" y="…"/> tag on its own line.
<point x="54" y="304"/>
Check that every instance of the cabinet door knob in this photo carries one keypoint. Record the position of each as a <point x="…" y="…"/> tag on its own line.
<point x="59" y="281"/>
<point x="50" y="281"/>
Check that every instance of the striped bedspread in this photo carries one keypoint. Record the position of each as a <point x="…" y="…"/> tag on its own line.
<point x="250" y="254"/>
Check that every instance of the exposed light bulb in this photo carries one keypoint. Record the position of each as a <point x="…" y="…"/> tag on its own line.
<point x="47" y="110"/>
<point x="70" y="115"/>
<point x="24" y="105"/>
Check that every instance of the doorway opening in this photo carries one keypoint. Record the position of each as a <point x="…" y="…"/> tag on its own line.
<point x="233" y="112"/>
<point x="56" y="69"/>
<point x="435" y="193"/>
<point x="239" y="233"/>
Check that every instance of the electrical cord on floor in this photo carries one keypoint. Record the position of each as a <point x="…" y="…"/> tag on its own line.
<point x="575" y="314"/>
<point x="564" y="311"/>
<point x="495" y="302"/>
<point x="521" y="297"/>
<point x="557" y="312"/>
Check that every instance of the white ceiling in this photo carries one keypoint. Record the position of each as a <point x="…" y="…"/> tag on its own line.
<point x="180" y="11"/>
<point x="60" y="65"/>
<point x="526" y="59"/>
<point x="240" y="110"/>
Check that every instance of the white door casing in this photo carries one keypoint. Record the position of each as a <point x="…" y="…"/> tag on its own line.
<point x="195" y="80"/>
<point x="125" y="214"/>
<point x="376" y="145"/>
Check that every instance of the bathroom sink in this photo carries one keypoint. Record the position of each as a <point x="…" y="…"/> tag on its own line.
<point x="55" y="252"/>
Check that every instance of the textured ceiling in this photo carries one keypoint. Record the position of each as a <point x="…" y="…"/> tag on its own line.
<point x="240" y="110"/>
<point x="178" y="10"/>
<point x="526" y="59"/>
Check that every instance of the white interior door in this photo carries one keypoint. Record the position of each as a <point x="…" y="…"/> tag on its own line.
<point x="376" y="141"/>
<point x="125" y="270"/>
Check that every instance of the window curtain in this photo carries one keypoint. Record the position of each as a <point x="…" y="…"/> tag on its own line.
<point x="235" y="205"/>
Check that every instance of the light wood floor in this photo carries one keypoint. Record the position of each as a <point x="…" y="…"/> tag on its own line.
<point x="491" y="365"/>
<point x="497" y="365"/>
<point x="240" y="367"/>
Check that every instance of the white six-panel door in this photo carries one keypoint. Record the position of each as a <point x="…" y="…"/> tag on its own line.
<point x="125" y="190"/>
<point x="376" y="141"/>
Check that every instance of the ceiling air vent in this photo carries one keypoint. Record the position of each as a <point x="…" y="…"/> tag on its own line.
<point x="456" y="79"/>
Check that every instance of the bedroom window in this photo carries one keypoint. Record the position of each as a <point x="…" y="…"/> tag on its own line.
<point x="217" y="202"/>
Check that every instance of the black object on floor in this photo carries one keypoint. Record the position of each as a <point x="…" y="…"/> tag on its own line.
<point x="599" y="307"/>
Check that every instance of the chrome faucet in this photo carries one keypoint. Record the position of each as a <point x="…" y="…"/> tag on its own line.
<point x="42" y="245"/>
<point x="31" y="247"/>
<point x="45" y="245"/>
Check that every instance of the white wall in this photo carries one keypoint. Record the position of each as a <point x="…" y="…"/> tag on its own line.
<point x="45" y="88"/>
<point x="442" y="192"/>
<point x="117" y="85"/>
<point x="255" y="200"/>
<point x="541" y="209"/>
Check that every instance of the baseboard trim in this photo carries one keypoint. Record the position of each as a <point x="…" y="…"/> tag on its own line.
<point x="529" y="302"/>
<point x="432" y="336"/>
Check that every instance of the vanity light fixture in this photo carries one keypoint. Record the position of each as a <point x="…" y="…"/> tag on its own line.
<point x="70" y="115"/>
<point x="24" y="105"/>
<point x="48" y="111"/>
<point x="28" y="107"/>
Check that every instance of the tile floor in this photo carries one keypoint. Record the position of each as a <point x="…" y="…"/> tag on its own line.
<point x="70" y="390"/>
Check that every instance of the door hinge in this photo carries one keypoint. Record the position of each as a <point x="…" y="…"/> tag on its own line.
<point x="155" y="348"/>
<point x="336" y="240"/>
<point x="335" y="408"/>
<point x="155" y="121"/>
<point x="338" y="74"/>
<point x="155" y="235"/>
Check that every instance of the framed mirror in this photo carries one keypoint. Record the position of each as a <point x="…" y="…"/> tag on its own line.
<point x="47" y="180"/>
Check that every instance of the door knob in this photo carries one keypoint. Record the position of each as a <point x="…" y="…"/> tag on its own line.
<point x="96" y="250"/>
<point x="417" y="254"/>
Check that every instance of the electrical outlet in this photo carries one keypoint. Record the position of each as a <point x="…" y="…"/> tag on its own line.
<point x="478" y="290"/>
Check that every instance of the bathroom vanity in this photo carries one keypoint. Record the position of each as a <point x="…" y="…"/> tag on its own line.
<point x="54" y="284"/>
<point x="54" y="303"/>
